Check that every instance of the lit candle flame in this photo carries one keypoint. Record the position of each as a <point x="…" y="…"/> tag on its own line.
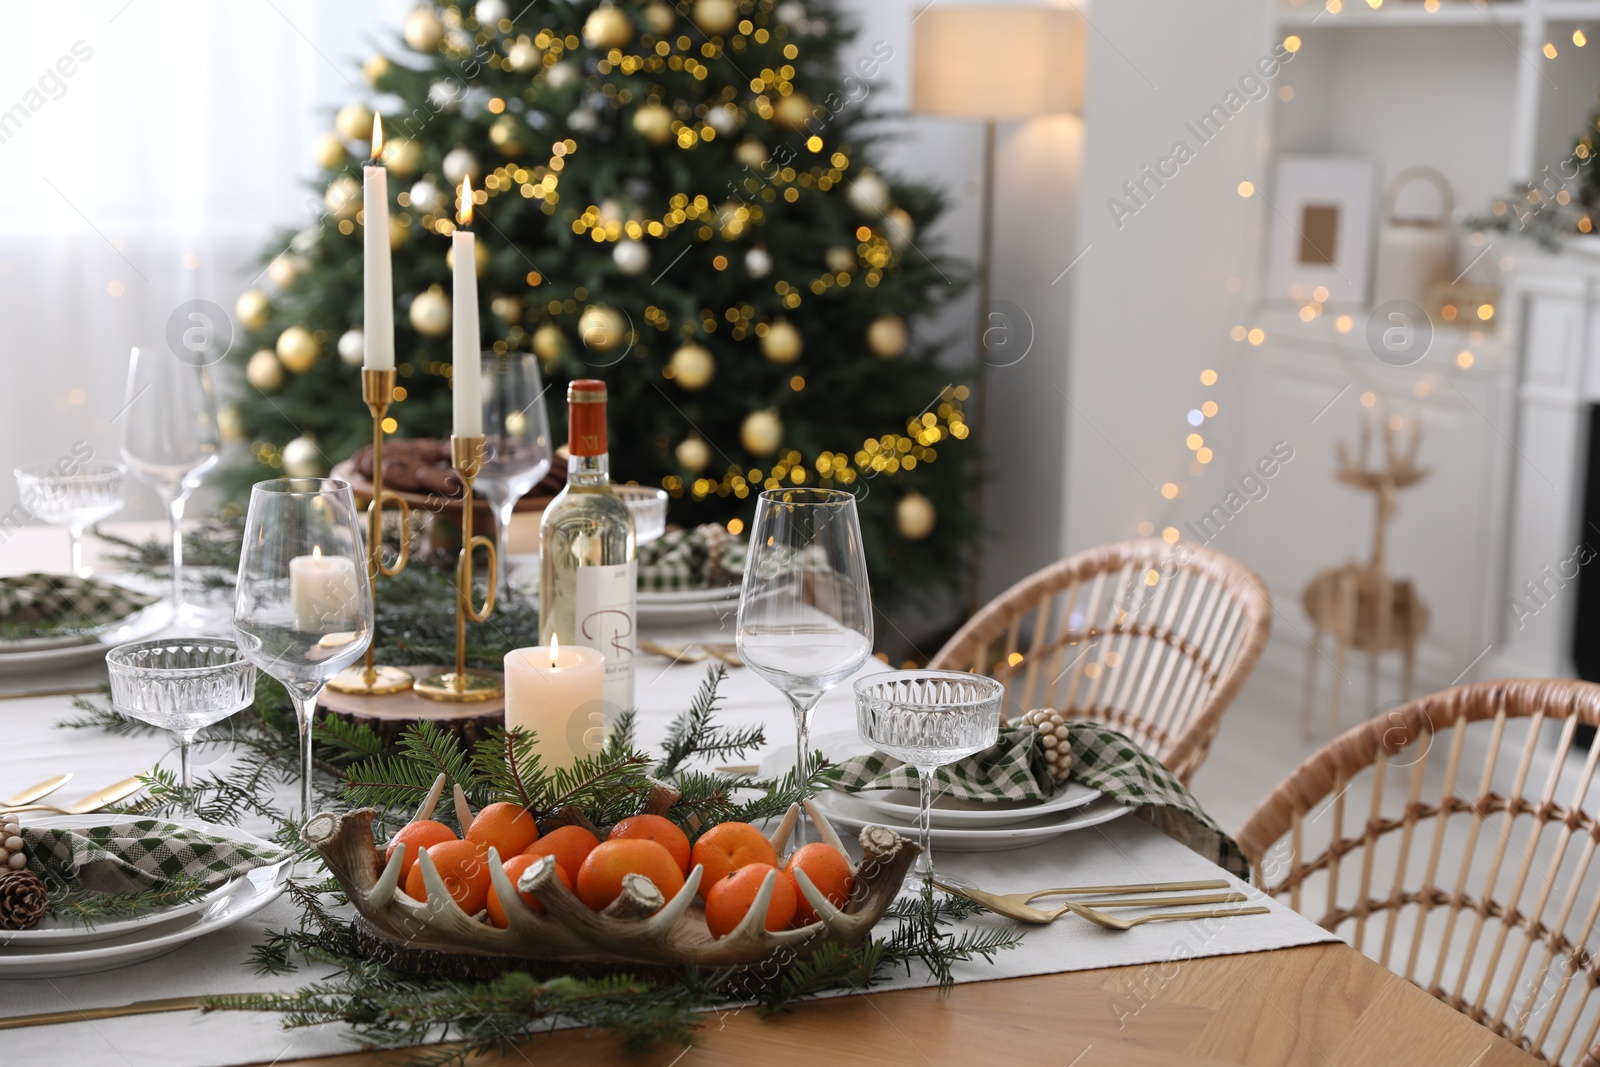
<point x="464" y="216"/>
<point x="555" y="650"/>
<point x="316" y="551"/>
<point x="377" y="135"/>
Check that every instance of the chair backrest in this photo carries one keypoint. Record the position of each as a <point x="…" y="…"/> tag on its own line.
<point x="1449" y="840"/>
<point x="1153" y="639"/>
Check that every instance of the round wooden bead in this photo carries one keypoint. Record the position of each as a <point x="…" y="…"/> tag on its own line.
<point x="16" y="861"/>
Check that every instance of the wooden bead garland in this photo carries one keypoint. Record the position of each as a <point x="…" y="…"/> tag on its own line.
<point x="11" y="857"/>
<point x="1051" y="726"/>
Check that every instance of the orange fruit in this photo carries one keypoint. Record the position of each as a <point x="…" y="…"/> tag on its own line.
<point x="464" y="866"/>
<point x="570" y="845"/>
<point x="660" y="830"/>
<point x="725" y="848"/>
<point x="507" y="827"/>
<point x="417" y="836"/>
<point x="600" y="877"/>
<point x="828" y="870"/>
<point x="731" y="898"/>
<point x="514" y="868"/>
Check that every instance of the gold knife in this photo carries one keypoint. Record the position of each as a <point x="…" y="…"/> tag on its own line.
<point x="89" y="804"/>
<point x="38" y="791"/>
<point x="138" y="1007"/>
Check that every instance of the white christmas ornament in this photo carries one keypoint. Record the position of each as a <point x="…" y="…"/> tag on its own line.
<point x="899" y="229"/>
<point x="632" y="257"/>
<point x="868" y="194"/>
<point x="301" y="458"/>
<point x="352" y="346"/>
<point x="264" y="371"/>
<point x="915" y="516"/>
<point x="761" y="433"/>
<point x="282" y="271"/>
<point x="522" y="55"/>
<point x="583" y="121"/>
<point x="430" y="312"/>
<point x="723" y="119"/>
<point x="758" y="261"/>
<point x="445" y="96"/>
<point x="490" y="12"/>
<point x="458" y="164"/>
<point x="840" y="260"/>
<point x="791" y="13"/>
<point x="561" y="75"/>
<point x="694" y="454"/>
<point x="422" y="30"/>
<point x="427" y="197"/>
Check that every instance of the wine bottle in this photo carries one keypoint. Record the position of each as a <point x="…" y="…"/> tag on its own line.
<point x="587" y="574"/>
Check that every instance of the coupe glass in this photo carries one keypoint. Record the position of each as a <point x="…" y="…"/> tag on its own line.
<point x="76" y="494"/>
<point x="928" y="719"/>
<point x="805" y="612"/>
<point x="170" y="442"/>
<point x="182" y="685"/>
<point x="648" y="506"/>
<point x="303" y="607"/>
<point x="516" y="433"/>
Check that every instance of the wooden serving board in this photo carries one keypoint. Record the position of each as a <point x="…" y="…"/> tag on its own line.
<point x="392" y="712"/>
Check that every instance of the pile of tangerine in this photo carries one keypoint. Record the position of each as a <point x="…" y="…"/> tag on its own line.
<point x="735" y="856"/>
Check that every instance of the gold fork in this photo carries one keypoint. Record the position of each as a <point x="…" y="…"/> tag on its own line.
<point x="1023" y="913"/>
<point x="677" y="655"/>
<point x="1111" y="922"/>
<point x="91" y="803"/>
<point x="38" y="791"/>
<point x="1085" y="890"/>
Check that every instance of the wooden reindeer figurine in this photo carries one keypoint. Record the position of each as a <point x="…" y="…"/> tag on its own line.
<point x="1359" y="604"/>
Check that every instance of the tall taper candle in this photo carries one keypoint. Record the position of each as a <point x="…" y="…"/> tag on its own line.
<point x="377" y="277"/>
<point x="466" y="351"/>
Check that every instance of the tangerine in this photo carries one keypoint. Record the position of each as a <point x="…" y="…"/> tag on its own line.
<point x="655" y="828"/>
<point x="731" y="898"/>
<point x="725" y="848"/>
<point x="600" y="877"/>
<point x="464" y="866"/>
<point x="507" y="827"/>
<point x="514" y="868"/>
<point x="417" y="836"/>
<point x="828" y="870"/>
<point x="570" y="845"/>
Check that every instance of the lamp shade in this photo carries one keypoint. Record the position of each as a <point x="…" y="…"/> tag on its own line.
<point x="996" y="62"/>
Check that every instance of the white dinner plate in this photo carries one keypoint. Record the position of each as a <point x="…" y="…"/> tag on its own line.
<point x="689" y="596"/>
<point x="719" y="611"/>
<point x="847" y="812"/>
<point x="136" y="627"/>
<point x="902" y="805"/>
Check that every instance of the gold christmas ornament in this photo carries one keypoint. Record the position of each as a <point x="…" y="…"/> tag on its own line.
<point x="716" y="16"/>
<point x="508" y="309"/>
<point x="751" y="153"/>
<point x="660" y="17"/>
<point x="505" y="133"/>
<point x="693" y="454"/>
<point x="354" y="122"/>
<point x="252" y="309"/>
<point x="422" y="30"/>
<point x="301" y="458"/>
<point x="402" y="155"/>
<point x="606" y="27"/>
<point x="915" y="516"/>
<point x="229" y="425"/>
<point x="654" y="122"/>
<point x="898" y="229"/>
<point x="480" y="258"/>
<point x="793" y="111"/>
<point x="783" y="343"/>
<point x="601" y="328"/>
<point x="693" y="367"/>
<point x="430" y="312"/>
<point x="352" y="346"/>
<point x="887" y="336"/>
<point x="399" y="232"/>
<point x="840" y="260"/>
<point x="298" y="349"/>
<point x="374" y="68"/>
<point x="283" y="271"/>
<point x="328" y="152"/>
<point x="761" y="432"/>
<point x="264" y="372"/>
<point x="343" y="197"/>
<point x="548" y="342"/>
<point x="522" y="55"/>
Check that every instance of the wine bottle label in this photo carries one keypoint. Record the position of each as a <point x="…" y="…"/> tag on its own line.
<point x="605" y="622"/>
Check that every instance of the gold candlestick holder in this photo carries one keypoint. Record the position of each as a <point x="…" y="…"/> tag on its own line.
<point x="371" y="679"/>
<point x="462" y="685"/>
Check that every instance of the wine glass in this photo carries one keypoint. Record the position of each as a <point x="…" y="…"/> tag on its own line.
<point x="182" y="685"/>
<point x="303" y="607"/>
<point x="805" y="612"/>
<point x="76" y="494"/>
<point x="928" y="719"/>
<point x="170" y="442"/>
<point x="516" y="433"/>
<point x="648" y="505"/>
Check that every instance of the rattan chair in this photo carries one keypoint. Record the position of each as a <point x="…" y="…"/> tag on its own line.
<point x="1448" y="839"/>
<point x="1153" y="639"/>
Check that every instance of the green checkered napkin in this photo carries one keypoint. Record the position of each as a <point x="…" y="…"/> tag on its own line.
<point x="682" y="560"/>
<point x="1102" y="758"/>
<point x="134" y="855"/>
<point x="42" y="605"/>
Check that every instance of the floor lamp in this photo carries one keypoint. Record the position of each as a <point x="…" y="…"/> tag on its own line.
<point x="994" y="63"/>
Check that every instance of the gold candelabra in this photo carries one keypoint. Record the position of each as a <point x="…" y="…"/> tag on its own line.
<point x="462" y="685"/>
<point x="370" y="679"/>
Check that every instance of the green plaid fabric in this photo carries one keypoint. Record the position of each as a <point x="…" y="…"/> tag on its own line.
<point x="682" y="560"/>
<point x="39" y="605"/>
<point x="139" y="854"/>
<point x="1102" y="758"/>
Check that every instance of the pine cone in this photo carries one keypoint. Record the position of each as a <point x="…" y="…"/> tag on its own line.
<point x="23" y="900"/>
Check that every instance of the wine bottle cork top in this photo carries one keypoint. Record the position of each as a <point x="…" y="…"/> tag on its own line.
<point x="586" y="391"/>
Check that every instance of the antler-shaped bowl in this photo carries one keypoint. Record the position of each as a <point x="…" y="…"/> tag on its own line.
<point x="639" y="927"/>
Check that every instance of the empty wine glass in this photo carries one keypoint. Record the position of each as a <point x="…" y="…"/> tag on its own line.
<point x="928" y="719"/>
<point x="73" y="493"/>
<point x="805" y="612"/>
<point x="303" y="607"/>
<point x="170" y="442"/>
<point x="516" y="433"/>
<point x="182" y="685"/>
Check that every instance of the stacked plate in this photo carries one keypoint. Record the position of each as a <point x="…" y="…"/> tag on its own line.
<point x="33" y="654"/>
<point x="690" y="605"/>
<point x="56" y="948"/>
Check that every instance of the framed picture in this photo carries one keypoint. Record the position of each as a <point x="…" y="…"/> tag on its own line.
<point x="1322" y="229"/>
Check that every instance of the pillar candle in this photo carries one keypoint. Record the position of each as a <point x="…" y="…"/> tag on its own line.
<point x="322" y="592"/>
<point x="466" y="354"/>
<point x="556" y="692"/>
<point x="377" y="275"/>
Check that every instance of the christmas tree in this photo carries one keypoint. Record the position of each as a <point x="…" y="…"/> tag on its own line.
<point x="674" y="198"/>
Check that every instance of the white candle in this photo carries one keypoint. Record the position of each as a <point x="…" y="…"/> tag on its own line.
<point x="377" y="276"/>
<point x="556" y="692"/>
<point x="466" y="353"/>
<point x="323" y="593"/>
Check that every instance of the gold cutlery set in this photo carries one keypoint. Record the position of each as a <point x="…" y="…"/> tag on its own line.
<point x="1016" y="905"/>
<point x="692" y="653"/>
<point x="26" y="799"/>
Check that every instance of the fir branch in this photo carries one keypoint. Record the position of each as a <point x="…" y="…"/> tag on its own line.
<point x="87" y="907"/>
